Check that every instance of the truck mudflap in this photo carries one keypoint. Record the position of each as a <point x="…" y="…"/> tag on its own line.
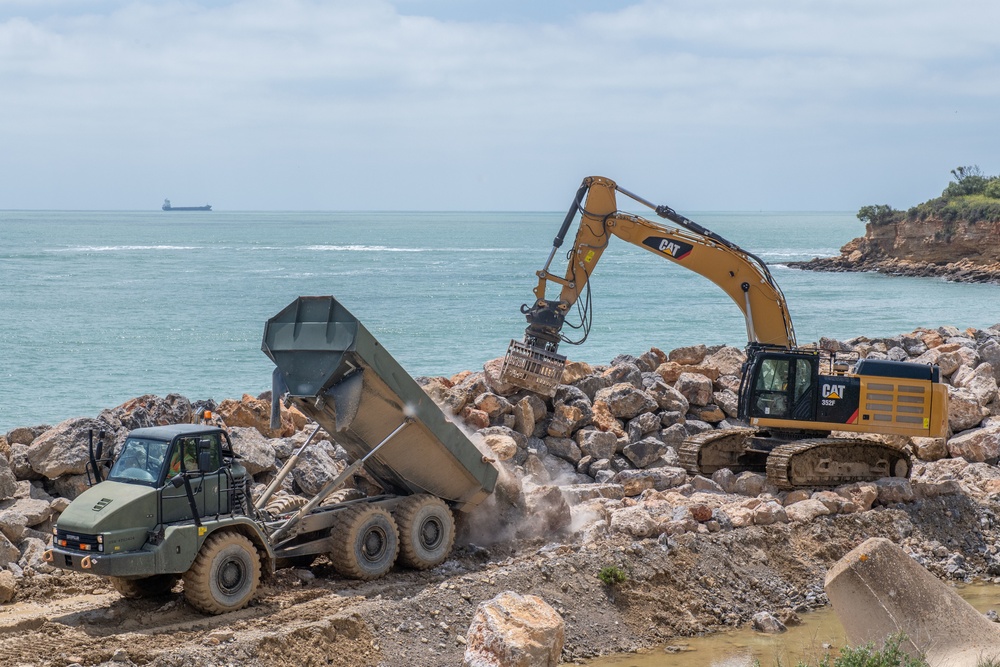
<point x="338" y="374"/>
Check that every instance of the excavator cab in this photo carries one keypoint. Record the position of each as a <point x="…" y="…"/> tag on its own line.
<point x="780" y="385"/>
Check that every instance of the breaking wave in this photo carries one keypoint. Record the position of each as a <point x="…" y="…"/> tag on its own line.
<point x="118" y="248"/>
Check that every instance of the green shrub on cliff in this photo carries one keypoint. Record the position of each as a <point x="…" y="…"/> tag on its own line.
<point x="971" y="197"/>
<point x="881" y="214"/>
<point x="968" y="181"/>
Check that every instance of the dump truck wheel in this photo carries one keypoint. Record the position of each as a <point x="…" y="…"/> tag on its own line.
<point x="147" y="587"/>
<point x="342" y="496"/>
<point x="366" y="542"/>
<point x="284" y="503"/>
<point x="426" y="531"/>
<point x="225" y="574"/>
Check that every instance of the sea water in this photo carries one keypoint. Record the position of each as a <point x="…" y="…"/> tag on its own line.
<point x="99" y="307"/>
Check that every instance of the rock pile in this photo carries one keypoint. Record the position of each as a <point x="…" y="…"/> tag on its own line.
<point x="597" y="459"/>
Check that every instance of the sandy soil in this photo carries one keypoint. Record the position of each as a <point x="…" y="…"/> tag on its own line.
<point x="693" y="583"/>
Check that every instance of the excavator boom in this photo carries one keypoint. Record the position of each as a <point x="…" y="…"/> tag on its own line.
<point x="535" y="363"/>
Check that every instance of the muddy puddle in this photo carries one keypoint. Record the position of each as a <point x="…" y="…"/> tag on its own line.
<point x="820" y="633"/>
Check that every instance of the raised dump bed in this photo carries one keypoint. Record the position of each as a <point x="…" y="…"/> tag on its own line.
<point x="339" y="375"/>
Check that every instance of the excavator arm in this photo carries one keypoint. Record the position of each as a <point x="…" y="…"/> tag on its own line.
<point x="743" y="276"/>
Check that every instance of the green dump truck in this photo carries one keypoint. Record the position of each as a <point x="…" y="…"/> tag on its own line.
<point x="177" y="504"/>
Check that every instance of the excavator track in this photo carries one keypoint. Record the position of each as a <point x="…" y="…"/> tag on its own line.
<point x="833" y="461"/>
<point x="704" y="453"/>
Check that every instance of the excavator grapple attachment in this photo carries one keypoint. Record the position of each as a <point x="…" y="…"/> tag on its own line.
<point x="532" y="368"/>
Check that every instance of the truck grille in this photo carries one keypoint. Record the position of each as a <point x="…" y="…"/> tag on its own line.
<point x="78" y="541"/>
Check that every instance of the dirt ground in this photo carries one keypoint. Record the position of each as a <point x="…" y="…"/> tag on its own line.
<point x="690" y="584"/>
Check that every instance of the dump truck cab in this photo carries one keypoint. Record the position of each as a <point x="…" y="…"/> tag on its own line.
<point x="167" y="490"/>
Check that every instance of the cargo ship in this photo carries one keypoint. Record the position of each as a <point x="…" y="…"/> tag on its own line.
<point x="167" y="207"/>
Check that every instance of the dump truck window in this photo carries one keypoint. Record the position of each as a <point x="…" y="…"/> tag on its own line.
<point x="141" y="460"/>
<point x="214" y="445"/>
<point x="188" y="449"/>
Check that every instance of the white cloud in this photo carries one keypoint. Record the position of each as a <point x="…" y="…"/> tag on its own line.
<point x="339" y="104"/>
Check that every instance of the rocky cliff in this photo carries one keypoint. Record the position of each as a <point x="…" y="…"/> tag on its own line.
<point x="958" y="250"/>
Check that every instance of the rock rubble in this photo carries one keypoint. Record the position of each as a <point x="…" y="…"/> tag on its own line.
<point x="596" y="462"/>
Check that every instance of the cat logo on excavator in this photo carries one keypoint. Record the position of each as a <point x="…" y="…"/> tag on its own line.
<point x="833" y="391"/>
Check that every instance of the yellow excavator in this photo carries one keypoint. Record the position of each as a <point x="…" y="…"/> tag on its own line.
<point x="792" y="398"/>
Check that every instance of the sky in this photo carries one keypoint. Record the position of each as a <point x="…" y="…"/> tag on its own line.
<point x="704" y="105"/>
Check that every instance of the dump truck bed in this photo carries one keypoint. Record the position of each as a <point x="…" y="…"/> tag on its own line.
<point x="339" y="375"/>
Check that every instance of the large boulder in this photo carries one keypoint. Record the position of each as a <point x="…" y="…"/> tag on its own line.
<point x="8" y="586"/>
<point x="964" y="410"/>
<point x="149" y="410"/>
<point x="575" y="371"/>
<point x="503" y="447"/>
<point x="8" y="483"/>
<point x="568" y="418"/>
<point x="728" y="360"/>
<point x="320" y="462"/>
<point x="767" y="623"/>
<point x="806" y="510"/>
<point x="625" y="401"/>
<point x="696" y="388"/>
<point x="644" y="452"/>
<point x="989" y="353"/>
<point x="32" y="552"/>
<point x="688" y="356"/>
<point x="255" y="413"/>
<point x="524" y="416"/>
<point x="35" y="511"/>
<point x="12" y="524"/>
<point x="514" y="630"/>
<point x="977" y="445"/>
<point x="667" y="397"/>
<point x="491" y="375"/>
<point x="642" y="425"/>
<point x="634" y="521"/>
<point x="255" y="452"/>
<point x="605" y="421"/>
<point x="564" y="448"/>
<point x="8" y="552"/>
<point x="624" y="372"/>
<point x="493" y="405"/>
<point x="634" y="482"/>
<point x="23" y="435"/>
<point x="595" y="443"/>
<point x="63" y="449"/>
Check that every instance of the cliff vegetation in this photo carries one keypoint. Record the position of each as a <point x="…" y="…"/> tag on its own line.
<point x="970" y="197"/>
<point x="955" y="236"/>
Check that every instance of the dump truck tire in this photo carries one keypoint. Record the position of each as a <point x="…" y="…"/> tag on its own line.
<point x="342" y="496"/>
<point x="426" y="531"/>
<point x="284" y="503"/>
<point x="225" y="574"/>
<point x="366" y="542"/>
<point x="147" y="587"/>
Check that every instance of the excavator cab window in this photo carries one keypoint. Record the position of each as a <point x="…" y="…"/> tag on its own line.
<point x="784" y="388"/>
<point x="771" y="389"/>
